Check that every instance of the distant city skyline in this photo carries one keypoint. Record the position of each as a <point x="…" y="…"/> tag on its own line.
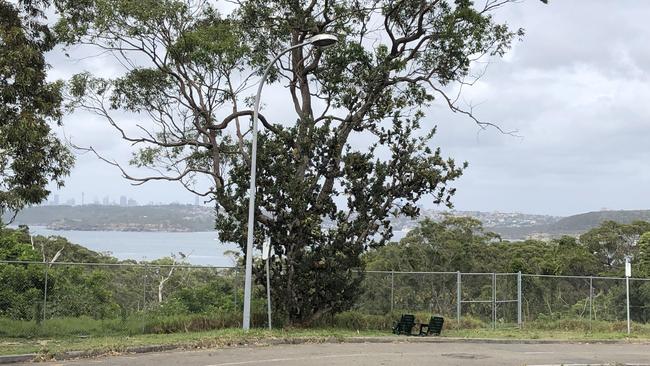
<point x="107" y="200"/>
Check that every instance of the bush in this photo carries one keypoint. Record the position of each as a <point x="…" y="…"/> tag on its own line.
<point x="170" y="307"/>
<point x="355" y="320"/>
<point x="68" y="327"/>
<point x="200" y="322"/>
<point x="359" y="321"/>
<point x="466" y="322"/>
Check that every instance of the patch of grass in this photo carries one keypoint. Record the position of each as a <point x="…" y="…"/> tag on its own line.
<point x="215" y="338"/>
<point x="563" y="329"/>
<point x="526" y="334"/>
<point x="142" y="323"/>
<point x="68" y="327"/>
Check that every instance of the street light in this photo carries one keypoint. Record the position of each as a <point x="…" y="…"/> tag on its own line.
<point x="320" y="40"/>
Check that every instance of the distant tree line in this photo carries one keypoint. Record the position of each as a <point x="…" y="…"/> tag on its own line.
<point x="462" y="244"/>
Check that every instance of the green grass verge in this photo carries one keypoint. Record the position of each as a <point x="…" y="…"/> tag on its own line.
<point x="538" y="334"/>
<point x="214" y="330"/>
<point x="216" y="338"/>
<point x="47" y="348"/>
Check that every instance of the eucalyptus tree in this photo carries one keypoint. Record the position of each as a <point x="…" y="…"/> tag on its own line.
<point x="349" y="146"/>
<point x="31" y="156"/>
<point x="612" y="242"/>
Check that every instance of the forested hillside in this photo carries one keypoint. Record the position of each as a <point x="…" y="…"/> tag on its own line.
<point x="590" y="220"/>
<point x="574" y="225"/>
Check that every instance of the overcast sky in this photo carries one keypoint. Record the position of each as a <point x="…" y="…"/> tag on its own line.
<point x="576" y="88"/>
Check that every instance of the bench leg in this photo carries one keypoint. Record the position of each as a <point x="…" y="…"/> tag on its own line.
<point x="421" y="333"/>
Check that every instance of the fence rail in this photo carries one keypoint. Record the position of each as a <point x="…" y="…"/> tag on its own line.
<point x="36" y="291"/>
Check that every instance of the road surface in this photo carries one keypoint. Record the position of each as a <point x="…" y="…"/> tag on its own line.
<point x="345" y="354"/>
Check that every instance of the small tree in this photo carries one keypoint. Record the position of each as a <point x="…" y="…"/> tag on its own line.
<point x="165" y="273"/>
<point x="611" y="242"/>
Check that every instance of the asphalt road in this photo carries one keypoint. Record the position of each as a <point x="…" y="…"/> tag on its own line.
<point x="440" y="354"/>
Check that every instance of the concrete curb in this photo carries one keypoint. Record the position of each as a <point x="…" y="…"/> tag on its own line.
<point x="414" y="339"/>
<point x="95" y="353"/>
<point x="17" y="358"/>
<point x="302" y="340"/>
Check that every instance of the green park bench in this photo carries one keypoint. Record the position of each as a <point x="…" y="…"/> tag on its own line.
<point x="404" y="325"/>
<point x="434" y="327"/>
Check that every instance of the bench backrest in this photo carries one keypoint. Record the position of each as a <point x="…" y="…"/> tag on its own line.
<point x="407" y="318"/>
<point x="435" y="324"/>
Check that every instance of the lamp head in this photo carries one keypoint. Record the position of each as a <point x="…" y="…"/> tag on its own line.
<point x="323" y="40"/>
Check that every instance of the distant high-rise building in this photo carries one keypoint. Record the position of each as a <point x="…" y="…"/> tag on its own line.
<point x="83" y="198"/>
<point x="70" y="202"/>
<point x="123" y="201"/>
<point x="196" y="201"/>
<point x="105" y="201"/>
<point x="55" y="199"/>
<point x="132" y="202"/>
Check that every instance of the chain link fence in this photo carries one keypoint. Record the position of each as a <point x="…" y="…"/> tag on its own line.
<point x="502" y="300"/>
<point x="81" y="298"/>
<point x="139" y="298"/>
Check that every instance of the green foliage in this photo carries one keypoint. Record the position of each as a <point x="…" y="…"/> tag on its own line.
<point x="21" y="286"/>
<point x="214" y="295"/>
<point x="30" y="154"/>
<point x="106" y="292"/>
<point x="456" y="243"/>
<point x="80" y="292"/>
<point x="20" y="290"/>
<point x="612" y="242"/>
<point x="644" y="255"/>
<point x="15" y="245"/>
<point x="460" y="243"/>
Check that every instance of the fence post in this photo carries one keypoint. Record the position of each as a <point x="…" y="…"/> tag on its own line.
<point x="45" y="291"/>
<point x="591" y="298"/>
<point x="458" y="296"/>
<point x="144" y="287"/>
<point x="268" y="290"/>
<point x="519" y="320"/>
<point x="494" y="300"/>
<point x="234" y="286"/>
<point x="392" y="290"/>
<point x="144" y="295"/>
<point x="627" y="291"/>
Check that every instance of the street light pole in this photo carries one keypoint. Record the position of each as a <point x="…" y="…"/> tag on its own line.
<point x="319" y="40"/>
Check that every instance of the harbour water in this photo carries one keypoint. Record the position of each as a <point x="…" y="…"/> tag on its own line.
<point x="202" y="248"/>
